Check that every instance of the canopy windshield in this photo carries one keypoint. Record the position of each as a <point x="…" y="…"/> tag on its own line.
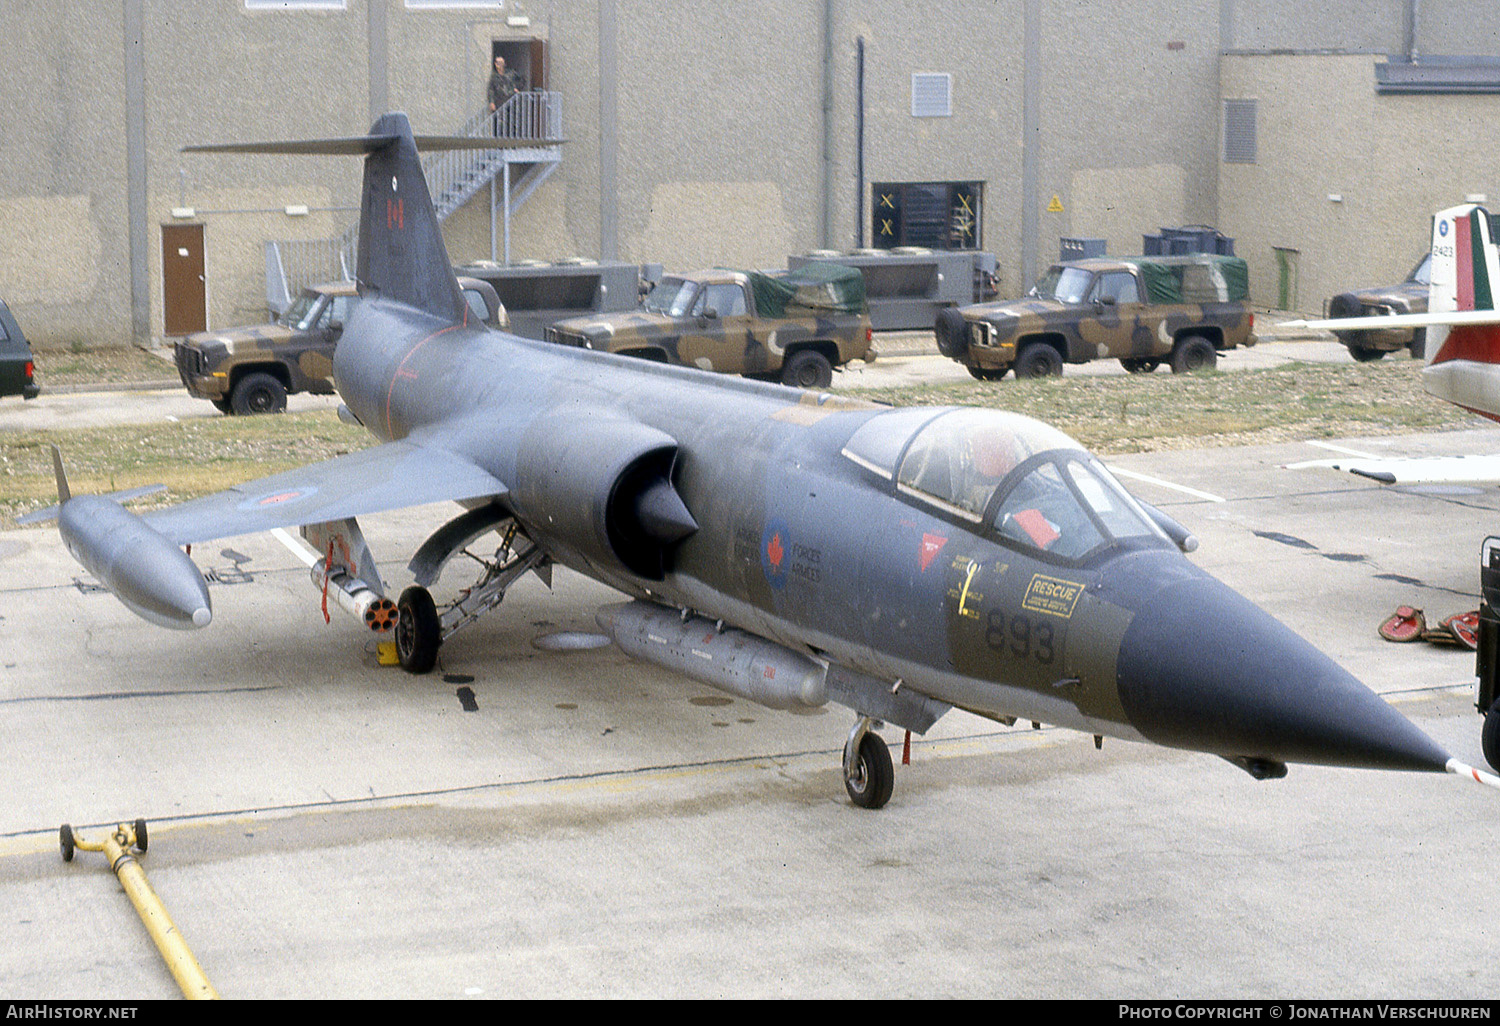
<point x="1003" y="474"/>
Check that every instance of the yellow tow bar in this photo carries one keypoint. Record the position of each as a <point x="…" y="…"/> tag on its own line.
<point x="121" y="846"/>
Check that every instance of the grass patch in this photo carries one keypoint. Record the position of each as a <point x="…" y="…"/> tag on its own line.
<point x="56" y="368"/>
<point x="192" y="458"/>
<point x="1111" y="415"/>
<point x="1148" y="412"/>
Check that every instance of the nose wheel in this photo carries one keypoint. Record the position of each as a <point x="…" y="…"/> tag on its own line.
<point x="869" y="773"/>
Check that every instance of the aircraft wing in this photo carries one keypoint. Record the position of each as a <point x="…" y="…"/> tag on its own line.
<point x="1476" y="470"/>
<point x="1453" y="318"/>
<point x="389" y="476"/>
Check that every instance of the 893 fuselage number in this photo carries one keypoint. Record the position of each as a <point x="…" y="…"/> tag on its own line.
<point x="1020" y="636"/>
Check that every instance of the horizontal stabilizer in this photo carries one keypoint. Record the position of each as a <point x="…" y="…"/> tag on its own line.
<point x="364" y="145"/>
<point x="1452" y="318"/>
<point x="1474" y="470"/>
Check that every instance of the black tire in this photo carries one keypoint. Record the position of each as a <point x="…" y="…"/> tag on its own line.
<point x="140" y="835"/>
<point x="873" y="776"/>
<point x="1365" y="354"/>
<point x="65" y="842"/>
<point x="1038" y="360"/>
<point x="1489" y="737"/>
<point x="987" y="373"/>
<point x="951" y="332"/>
<point x="807" y="368"/>
<point x="258" y="393"/>
<point x="1139" y="364"/>
<point x="1193" y="353"/>
<point x="418" y="632"/>
<point x="1418" y="344"/>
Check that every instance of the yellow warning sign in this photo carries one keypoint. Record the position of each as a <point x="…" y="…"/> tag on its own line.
<point x="1055" y="207"/>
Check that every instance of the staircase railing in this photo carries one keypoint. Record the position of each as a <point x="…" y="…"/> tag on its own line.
<point x="453" y="177"/>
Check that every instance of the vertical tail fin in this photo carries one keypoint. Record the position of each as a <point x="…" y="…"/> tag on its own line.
<point x="1464" y="259"/>
<point x="401" y="250"/>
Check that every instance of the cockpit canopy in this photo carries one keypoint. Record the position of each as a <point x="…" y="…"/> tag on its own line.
<point x="1004" y="475"/>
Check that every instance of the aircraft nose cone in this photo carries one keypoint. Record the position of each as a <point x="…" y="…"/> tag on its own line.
<point x="1203" y="668"/>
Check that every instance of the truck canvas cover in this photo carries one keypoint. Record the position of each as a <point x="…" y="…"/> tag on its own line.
<point x="816" y="286"/>
<point x="1198" y="278"/>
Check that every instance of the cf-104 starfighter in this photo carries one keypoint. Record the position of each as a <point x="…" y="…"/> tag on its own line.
<point x="790" y="547"/>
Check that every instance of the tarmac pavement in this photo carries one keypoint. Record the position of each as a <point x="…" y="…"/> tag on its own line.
<point x="321" y="826"/>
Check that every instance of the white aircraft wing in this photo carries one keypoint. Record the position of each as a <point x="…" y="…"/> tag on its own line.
<point x="389" y="476"/>
<point x="1453" y="318"/>
<point x="1476" y="470"/>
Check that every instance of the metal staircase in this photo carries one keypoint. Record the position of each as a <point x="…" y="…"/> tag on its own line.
<point x="454" y="177"/>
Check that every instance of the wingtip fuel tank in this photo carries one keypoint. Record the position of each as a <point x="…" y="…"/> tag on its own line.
<point x="148" y="573"/>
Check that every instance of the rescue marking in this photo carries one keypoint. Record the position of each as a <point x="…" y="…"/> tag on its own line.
<point x="963" y="595"/>
<point x="932" y="544"/>
<point x="1051" y="595"/>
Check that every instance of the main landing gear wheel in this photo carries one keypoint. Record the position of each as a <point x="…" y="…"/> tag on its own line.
<point x="870" y="775"/>
<point x="418" y="632"/>
<point x="1489" y="737"/>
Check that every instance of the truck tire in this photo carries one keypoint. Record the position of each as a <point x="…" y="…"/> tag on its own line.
<point x="807" y="368"/>
<point x="1193" y="353"/>
<point x="1038" y="360"/>
<point x="1365" y="354"/>
<point x="952" y="334"/>
<point x="258" y="393"/>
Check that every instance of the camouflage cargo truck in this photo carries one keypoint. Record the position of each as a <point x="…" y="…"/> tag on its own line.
<point x="1409" y="297"/>
<point x="793" y="326"/>
<point x="1142" y="311"/>
<point x="253" y="369"/>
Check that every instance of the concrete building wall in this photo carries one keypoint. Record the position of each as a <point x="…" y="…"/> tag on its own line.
<point x="1450" y="27"/>
<point x="700" y="134"/>
<point x="64" y="253"/>
<point x="1346" y="179"/>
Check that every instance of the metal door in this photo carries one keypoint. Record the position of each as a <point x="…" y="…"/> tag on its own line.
<point x="184" y="291"/>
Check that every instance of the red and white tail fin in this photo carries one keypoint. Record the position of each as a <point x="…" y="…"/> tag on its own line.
<point x="1463" y="339"/>
<point x="1465" y="265"/>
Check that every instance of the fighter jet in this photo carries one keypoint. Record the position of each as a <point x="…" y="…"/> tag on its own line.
<point x="790" y="547"/>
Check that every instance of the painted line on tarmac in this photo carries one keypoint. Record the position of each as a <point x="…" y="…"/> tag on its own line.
<point x="1208" y="496"/>
<point x="1346" y="451"/>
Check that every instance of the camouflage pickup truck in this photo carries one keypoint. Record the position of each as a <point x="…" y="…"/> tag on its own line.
<point x="794" y="326"/>
<point x="253" y="369"/>
<point x="1142" y="311"/>
<point x="1409" y="297"/>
